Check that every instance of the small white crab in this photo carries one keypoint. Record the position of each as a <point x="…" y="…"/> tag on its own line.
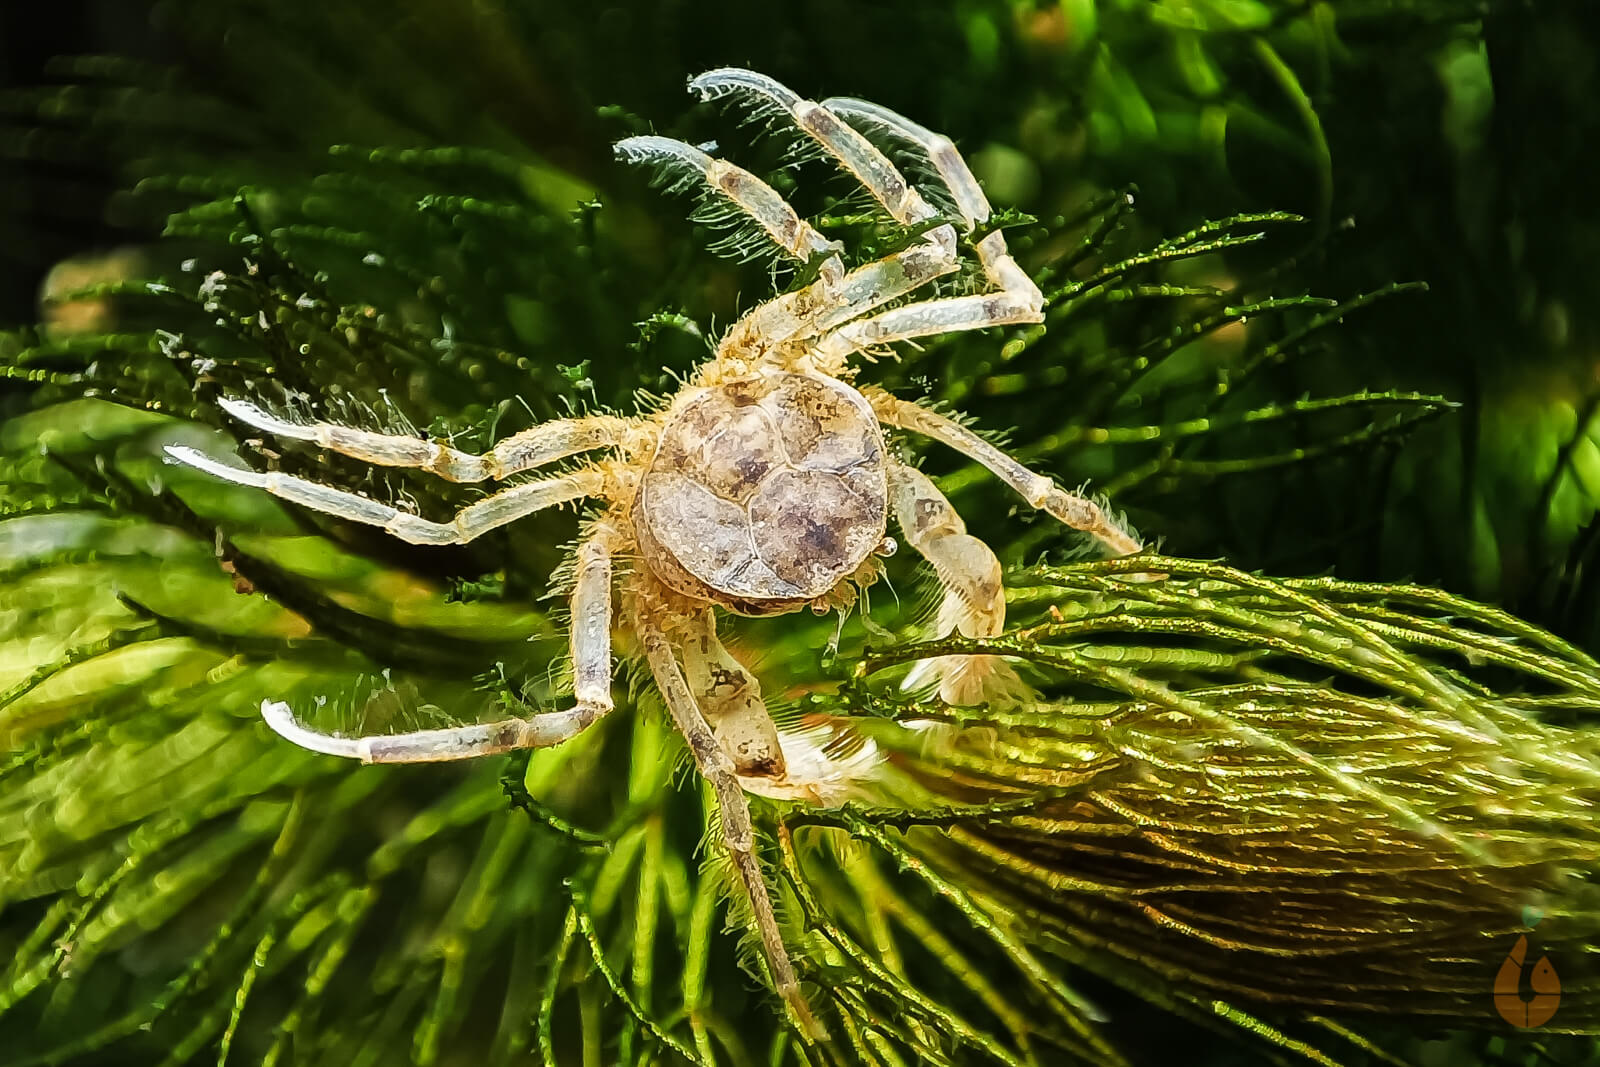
<point x="764" y="486"/>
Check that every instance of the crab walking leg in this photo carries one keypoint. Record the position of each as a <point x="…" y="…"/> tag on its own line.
<point x="533" y="447"/>
<point x="998" y="265"/>
<point x="967" y="568"/>
<point x="744" y="191"/>
<point x="854" y="152"/>
<point x="591" y="659"/>
<point x="729" y="697"/>
<point x="718" y="768"/>
<point x="1040" y="492"/>
<point x="818" y="308"/>
<point x="470" y="522"/>
<point x="974" y="602"/>
<point x="928" y="318"/>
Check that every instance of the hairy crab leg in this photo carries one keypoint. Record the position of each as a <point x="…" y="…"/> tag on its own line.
<point x="1040" y="492"/>
<point x="729" y="697"/>
<point x="815" y="309"/>
<point x="927" y="319"/>
<point x="717" y="767"/>
<point x="957" y="177"/>
<point x="967" y="568"/>
<point x="470" y="522"/>
<point x="874" y="284"/>
<point x="533" y="447"/>
<point x="1018" y="300"/>
<point x="834" y="298"/>
<point x="974" y="602"/>
<point x="854" y="152"/>
<point x="590" y="640"/>
<point x="688" y="167"/>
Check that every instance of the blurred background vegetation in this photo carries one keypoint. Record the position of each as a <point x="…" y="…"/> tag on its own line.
<point x="1319" y="279"/>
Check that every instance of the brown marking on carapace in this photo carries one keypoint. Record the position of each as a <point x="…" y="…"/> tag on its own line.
<point x="764" y="493"/>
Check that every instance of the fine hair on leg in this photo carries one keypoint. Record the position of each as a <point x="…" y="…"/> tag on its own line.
<point x="928" y="318"/>
<point x="1001" y="270"/>
<point x="1040" y="492"/>
<point x="974" y="599"/>
<point x="730" y="186"/>
<point x="857" y="155"/>
<point x="533" y="447"/>
<point x="470" y="522"/>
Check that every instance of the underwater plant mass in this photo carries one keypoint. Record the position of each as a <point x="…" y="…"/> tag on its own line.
<point x="1311" y="777"/>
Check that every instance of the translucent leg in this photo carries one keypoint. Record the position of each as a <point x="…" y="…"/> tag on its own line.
<point x="1040" y="492"/>
<point x="967" y="568"/>
<point x="730" y="699"/>
<point x="957" y="177"/>
<point x="591" y="658"/>
<point x="820" y="307"/>
<point x="689" y="168"/>
<point x="738" y="835"/>
<point x="817" y="309"/>
<point x="533" y="447"/>
<point x="974" y="602"/>
<point x="470" y="522"/>
<point x="929" y="318"/>
<point x="854" y="152"/>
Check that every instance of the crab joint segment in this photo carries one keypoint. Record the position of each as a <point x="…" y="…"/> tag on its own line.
<point x="533" y="447"/>
<point x="1040" y="492"/>
<point x="591" y="658"/>
<point x="974" y="602"/>
<point x="730" y="698"/>
<point x="687" y="166"/>
<point x="1001" y="270"/>
<point x="717" y="767"/>
<point x="853" y="152"/>
<point x="471" y="522"/>
<point x="929" y="318"/>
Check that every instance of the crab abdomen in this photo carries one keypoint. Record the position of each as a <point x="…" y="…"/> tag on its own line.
<point x="764" y="493"/>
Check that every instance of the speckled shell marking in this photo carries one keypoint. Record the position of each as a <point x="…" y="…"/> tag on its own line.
<point x="764" y="493"/>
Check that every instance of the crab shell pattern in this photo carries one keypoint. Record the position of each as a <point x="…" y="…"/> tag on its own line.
<point x="764" y="493"/>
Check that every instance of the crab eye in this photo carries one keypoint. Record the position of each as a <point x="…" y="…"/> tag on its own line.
<point x="887" y="547"/>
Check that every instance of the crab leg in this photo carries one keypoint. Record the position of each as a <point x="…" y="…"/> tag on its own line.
<point x="1040" y="492"/>
<point x="967" y="568"/>
<point x="533" y="447"/>
<point x="745" y="192"/>
<point x="828" y="303"/>
<point x="1018" y="300"/>
<point x="931" y="317"/>
<point x="974" y="602"/>
<point x="717" y="767"/>
<point x="591" y="659"/>
<point x="470" y="522"/>
<point x="854" y="152"/>
<point x="998" y="265"/>
<point x="729" y="697"/>
<point x="815" y="309"/>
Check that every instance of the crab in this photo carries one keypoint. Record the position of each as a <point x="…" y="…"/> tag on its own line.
<point x="764" y="486"/>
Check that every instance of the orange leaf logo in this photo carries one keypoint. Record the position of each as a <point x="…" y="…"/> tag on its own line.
<point x="1544" y="981"/>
